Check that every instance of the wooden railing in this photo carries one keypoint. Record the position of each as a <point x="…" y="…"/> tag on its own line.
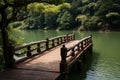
<point x="71" y="54"/>
<point x="35" y="48"/>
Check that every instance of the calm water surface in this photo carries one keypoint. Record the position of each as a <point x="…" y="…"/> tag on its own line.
<point x="103" y="64"/>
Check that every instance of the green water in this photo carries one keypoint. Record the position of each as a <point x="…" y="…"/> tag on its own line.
<point x="103" y="64"/>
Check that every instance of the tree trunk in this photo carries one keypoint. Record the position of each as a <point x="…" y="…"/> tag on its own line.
<point x="5" y="42"/>
<point x="5" y="39"/>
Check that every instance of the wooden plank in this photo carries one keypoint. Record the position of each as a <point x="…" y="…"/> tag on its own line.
<point x="19" y="74"/>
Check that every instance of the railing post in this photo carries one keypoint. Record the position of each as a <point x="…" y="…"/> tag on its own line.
<point x="53" y="43"/>
<point x="29" y="54"/>
<point x="58" y="41"/>
<point x="38" y="48"/>
<point x="67" y="38"/>
<point x="63" y="63"/>
<point x="61" y="40"/>
<point x="47" y="43"/>
<point x="81" y="45"/>
<point x="85" y="42"/>
<point x="73" y="36"/>
<point x="90" y="38"/>
<point x="73" y="53"/>
<point x="78" y="48"/>
<point x="11" y="52"/>
<point x="91" y="47"/>
<point x="64" y="39"/>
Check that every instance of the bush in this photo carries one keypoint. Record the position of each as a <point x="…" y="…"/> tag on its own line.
<point x="92" y="23"/>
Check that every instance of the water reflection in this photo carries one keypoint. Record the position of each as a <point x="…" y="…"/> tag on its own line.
<point x="88" y="67"/>
<point x="105" y="64"/>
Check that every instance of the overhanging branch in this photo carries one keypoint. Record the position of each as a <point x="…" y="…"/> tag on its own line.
<point x="14" y="13"/>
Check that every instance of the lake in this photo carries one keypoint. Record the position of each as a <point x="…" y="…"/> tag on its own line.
<point x="103" y="64"/>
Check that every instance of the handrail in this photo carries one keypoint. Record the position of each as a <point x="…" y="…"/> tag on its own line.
<point x="34" y="48"/>
<point x="71" y="54"/>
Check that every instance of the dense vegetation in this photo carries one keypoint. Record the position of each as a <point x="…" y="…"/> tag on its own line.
<point x="75" y="14"/>
<point x="11" y="11"/>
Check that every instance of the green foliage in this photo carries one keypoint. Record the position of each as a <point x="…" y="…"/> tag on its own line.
<point x="89" y="8"/>
<point x="81" y="18"/>
<point x="65" y="20"/>
<point x="85" y="1"/>
<point x="112" y="15"/>
<point x="90" y="14"/>
<point x="16" y="39"/>
<point x="64" y="6"/>
<point x="1" y="2"/>
<point x="41" y="7"/>
<point x="43" y="15"/>
<point x="113" y="18"/>
<point x="109" y="13"/>
<point x="47" y="8"/>
<point x="16" y="24"/>
<point x="91" y="23"/>
<point x="88" y="23"/>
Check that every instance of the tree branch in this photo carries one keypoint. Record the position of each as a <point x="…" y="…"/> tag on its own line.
<point x="14" y="13"/>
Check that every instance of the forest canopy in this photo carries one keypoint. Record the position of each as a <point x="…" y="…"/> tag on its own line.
<point x="72" y="14"/>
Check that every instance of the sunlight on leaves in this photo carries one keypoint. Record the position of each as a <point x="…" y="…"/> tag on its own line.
<point x="81" y="17"/>
<point x="111" y="14"/>
<point x="47" y="8"/>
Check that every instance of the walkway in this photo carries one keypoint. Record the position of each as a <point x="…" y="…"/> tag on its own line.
<point x="40" y="67"/>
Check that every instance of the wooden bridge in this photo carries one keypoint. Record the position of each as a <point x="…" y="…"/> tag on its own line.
<point x="50" y="59"/>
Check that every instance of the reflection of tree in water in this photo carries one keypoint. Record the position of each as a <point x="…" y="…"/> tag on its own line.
<point x="88" y="64"/>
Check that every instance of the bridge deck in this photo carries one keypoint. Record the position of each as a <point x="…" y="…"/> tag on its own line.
<point x="40" y="67"/>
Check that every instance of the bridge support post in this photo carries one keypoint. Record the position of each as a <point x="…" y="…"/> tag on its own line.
<point x="91" y="47"/>
<point x="53" y="43"/>
<point x="73" y="36"/>
<point x="61" y="40"/>
<point x="79" y="65"/>
<point x="58" y="42"/>
<point x="84" y="56"/>
<point x="11" y="52"/>
<point x="47" y="43"/>
<point x="38" y="48"/>
<point x="63" y="64"/>
<point x="67" y="39"/>
<point x="29" y="54"/>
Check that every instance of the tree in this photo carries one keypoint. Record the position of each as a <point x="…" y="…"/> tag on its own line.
<point x="50" y="13"/>
<point x="9" y="12"/>
<point x="64" y="20"/>
<point x="109" y="13"/>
